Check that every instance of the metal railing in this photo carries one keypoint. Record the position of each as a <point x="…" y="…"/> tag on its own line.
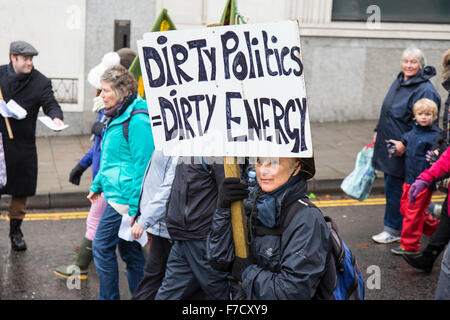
<point x="65" y="90"/>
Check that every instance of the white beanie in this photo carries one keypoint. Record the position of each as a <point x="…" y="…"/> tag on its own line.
<point x="109" y="60"/>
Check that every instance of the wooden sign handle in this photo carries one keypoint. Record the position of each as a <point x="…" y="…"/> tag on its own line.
<point x="8" y="126"/>
<point x="238" y="220"/>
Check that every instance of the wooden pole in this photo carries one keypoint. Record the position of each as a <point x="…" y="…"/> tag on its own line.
<point x="231" y="167"/>
<point x="8" y="126"/>
<point x="238" y="220"/>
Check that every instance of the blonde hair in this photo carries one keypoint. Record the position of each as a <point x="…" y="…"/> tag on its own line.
<point x="446" y="65"/>
<point x="425" y="104"/>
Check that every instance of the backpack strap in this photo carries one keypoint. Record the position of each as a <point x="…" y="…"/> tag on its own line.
<point x="126" y="123"/>
<point x="337" y="245"/>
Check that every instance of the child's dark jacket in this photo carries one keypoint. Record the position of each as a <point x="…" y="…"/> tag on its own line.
<point x="418" y="141"/>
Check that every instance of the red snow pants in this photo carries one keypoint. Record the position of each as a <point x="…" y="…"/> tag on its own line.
<point x="415" y="219"/>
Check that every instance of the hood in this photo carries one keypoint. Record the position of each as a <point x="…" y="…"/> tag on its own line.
<point x="423" y="75"/>
<point x="446" y="84"/>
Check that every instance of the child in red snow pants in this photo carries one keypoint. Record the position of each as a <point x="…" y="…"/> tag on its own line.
<point x="415" y="219"/>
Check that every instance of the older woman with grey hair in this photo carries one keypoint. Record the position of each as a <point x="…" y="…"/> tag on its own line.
<point x="396" y="118"/>
<point x="124" y="158"/>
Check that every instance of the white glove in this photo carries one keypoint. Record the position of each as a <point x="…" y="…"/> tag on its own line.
<point x="98" y="104"/>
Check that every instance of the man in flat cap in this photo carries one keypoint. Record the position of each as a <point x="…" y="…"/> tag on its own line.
<point x="31" y="90"/>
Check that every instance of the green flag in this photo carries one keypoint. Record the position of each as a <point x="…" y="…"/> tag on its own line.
<point x="162" y="23"/>
<point x="231" y="14"/>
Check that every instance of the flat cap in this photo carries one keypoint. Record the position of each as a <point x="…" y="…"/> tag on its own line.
<point x="22" y="48"/>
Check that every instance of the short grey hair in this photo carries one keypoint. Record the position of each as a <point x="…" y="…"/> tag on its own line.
<point x="121" y="81"/>
<point x="416" y="53"/>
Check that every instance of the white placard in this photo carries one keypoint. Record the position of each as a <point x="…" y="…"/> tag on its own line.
<point x="227" y="91"/>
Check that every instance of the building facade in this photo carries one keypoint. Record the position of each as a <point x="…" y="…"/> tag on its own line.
<point x="351" y="48"/>
<point x="72" y="36"/>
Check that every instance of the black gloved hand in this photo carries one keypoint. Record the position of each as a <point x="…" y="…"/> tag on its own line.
<point x="231" y="190"/>
<point x="75" y="174"/>
<point x="239" y="266"/>
<point x="97" y="128"/>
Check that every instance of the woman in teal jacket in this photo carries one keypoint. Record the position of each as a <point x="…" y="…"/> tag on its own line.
<point x="126" y="150"/>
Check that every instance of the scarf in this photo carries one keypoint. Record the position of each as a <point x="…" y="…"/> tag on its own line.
<point x="111" y="112"/>
<point x="269" y="204"/>
<point x="119" y="108"/>
<point x="15" y="79"/>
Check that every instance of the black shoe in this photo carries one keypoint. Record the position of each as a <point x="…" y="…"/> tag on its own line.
<point x="16" y="235"/>
<point x="420" y="261"/>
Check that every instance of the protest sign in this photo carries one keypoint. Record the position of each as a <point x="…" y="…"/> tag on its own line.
<point x="235" y="90"/>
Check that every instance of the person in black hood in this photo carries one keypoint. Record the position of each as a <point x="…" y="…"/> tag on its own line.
<point x="396" y="118"/>
<point x="280" y="266"/>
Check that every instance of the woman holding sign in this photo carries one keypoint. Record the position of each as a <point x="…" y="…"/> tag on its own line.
<point x="122" y="168"/>
<point x="282" y="265"/>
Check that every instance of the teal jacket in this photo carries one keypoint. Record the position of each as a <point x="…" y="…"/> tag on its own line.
<point x="122" y="163"/>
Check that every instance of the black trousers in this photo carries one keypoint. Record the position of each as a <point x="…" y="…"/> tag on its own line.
<point x="155" y="269"/>
<point x="441" y="236"/>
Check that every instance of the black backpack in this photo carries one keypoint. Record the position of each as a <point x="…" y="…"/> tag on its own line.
<point x="342" y="279"/>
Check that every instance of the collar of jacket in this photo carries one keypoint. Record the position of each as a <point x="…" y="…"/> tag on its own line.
<point x="426" y="128"/>
<point x="271" y="204"/>
<point x="423" y="128"/>
<point x="423" y="75"/>
<point x="125" y="109"/>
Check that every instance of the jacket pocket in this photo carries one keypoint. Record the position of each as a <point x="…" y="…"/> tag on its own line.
<point x="269" y="253"/>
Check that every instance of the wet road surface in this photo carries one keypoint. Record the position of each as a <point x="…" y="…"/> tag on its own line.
<point x="29" y="275"/>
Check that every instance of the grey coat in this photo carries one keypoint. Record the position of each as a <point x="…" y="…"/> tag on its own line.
<point x="155" y="192"/>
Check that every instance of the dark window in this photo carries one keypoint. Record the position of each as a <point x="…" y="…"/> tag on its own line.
<point x="121" y="34"/>
<point x="412" y="11"/>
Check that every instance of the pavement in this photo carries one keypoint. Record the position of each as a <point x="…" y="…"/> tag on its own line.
<point x="335" y="146"/>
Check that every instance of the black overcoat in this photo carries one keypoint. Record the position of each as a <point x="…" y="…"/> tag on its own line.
<point x="34" y="90"/>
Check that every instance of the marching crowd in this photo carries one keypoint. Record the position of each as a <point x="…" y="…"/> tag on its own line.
<point x="182" y="205"/>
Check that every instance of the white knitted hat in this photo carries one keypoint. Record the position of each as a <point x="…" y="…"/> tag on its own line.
<point x="109" y="60"/>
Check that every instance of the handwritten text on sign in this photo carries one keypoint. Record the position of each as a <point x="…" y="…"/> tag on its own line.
<point x="227" y="91"/>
